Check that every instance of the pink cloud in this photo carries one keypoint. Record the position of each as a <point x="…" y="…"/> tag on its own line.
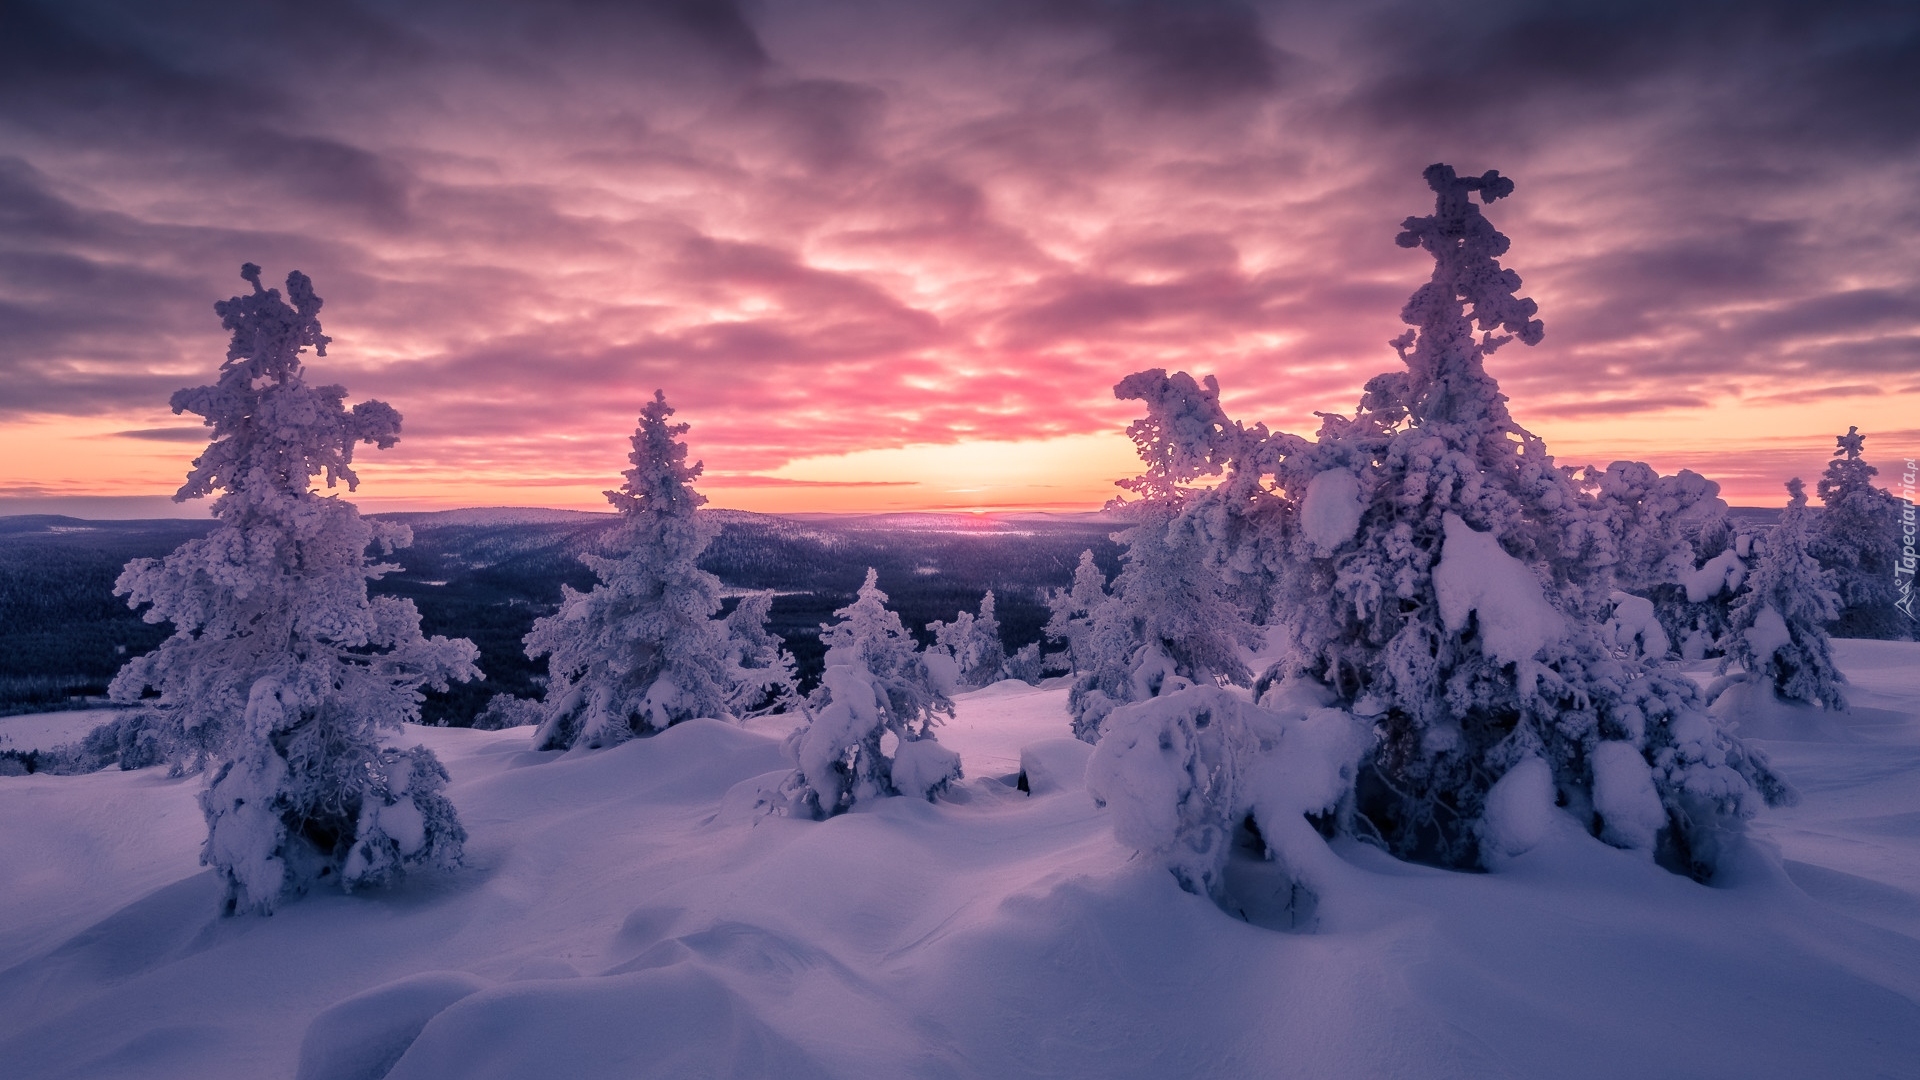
<point x="831" y="227"/>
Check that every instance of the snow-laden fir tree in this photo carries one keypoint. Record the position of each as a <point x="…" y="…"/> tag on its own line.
<point x="869" y="731"/>
<point x="1170" y="621"/>
<point x="764" y="676"/>
<point x="973" y="643"/>
<point x="643" y="649"/>
<point x="1778" y="635"/>
<point x="1858" y="538"/>
<point x="1070" y="612"/>
<point x="282" y="674"/>
<point x="1447" y="581"/>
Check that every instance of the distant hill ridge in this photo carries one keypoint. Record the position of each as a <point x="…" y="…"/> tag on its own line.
<point x="493" y="515"/>
<point x="485" y="573"/>
<point x="483" y="516"/>
<point x="912" y="520"/>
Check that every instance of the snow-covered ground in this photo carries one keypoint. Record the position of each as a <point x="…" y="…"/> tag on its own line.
<point x="621" y="914"/>
<point x="44" y="731"/>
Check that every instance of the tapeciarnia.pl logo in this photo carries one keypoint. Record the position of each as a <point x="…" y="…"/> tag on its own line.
<point x="1903" y="567"/>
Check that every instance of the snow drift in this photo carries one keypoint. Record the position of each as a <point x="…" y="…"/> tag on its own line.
<point x="612" y="922"/>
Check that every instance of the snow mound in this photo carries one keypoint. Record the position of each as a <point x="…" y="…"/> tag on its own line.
<point x="1476" y="575"/>
<point x="1624" y="796"/>
<point x="1054" y="765"/>
<point x="1520" y="810"/>
<point x="676" y="1022"/>
<point x="1751" y="708"/>
<point x="362" y="1037"/>
<point x="943" y="671"/>
<point x="922" y="768"/>
<point x="1004" y="688"/>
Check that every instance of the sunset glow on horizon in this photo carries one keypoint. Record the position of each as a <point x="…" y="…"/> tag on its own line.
<point x="894" y="257"/>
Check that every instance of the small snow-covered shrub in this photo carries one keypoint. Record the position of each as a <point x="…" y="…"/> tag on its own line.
<point x="1190" y="774"/>
<point x="282" y="673"/>
<point x="507" y="711"/>
<point x="272" y="834"/>
<point x="923" y="768"/>
<point x="1052" y="765"/>
<point x="869" y="729"/>
<point x="1026" y="664"/>
<point x="129" y="740"/>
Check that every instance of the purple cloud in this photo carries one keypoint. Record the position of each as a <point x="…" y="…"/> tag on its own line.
<point x="825" y="227"/>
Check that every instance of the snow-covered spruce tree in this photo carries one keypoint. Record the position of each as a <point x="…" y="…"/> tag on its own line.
<point x="643" y="650"/>
<point x="1170" y="621"/>
<point x="984" y="662"/>
<point x="1447" y="582"/>
<point x="973" y="643"/>
<point x="877" y="688"/>
<point x="765" y="679"/>
<point x="282" y="674"/>
<point x="1070" y="612"/>
<point x="1778" y="634"/>
<point x="1858" y="538"/>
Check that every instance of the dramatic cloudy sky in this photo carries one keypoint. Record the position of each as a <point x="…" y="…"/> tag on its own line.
<point x="891" y="254"/>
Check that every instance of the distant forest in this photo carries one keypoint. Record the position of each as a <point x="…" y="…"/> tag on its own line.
<point x="63" y="633"/>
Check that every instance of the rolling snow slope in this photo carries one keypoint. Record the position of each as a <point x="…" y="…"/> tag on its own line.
<point x="623" y="914"/>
